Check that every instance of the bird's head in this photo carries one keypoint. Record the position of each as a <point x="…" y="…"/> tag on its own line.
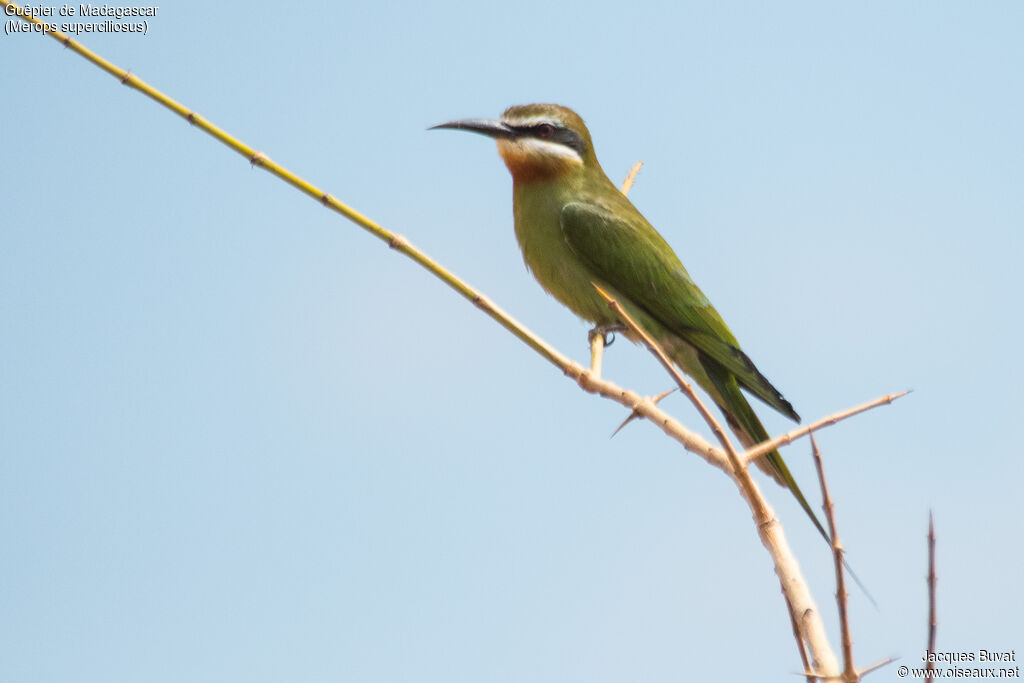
<point x="537" y="141"/>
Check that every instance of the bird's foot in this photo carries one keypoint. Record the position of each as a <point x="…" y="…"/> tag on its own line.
<point x="606" y="333"/>
<point x="600" y="337"/>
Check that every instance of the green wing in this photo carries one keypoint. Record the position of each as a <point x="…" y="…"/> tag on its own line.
<point x="631" y="256"/>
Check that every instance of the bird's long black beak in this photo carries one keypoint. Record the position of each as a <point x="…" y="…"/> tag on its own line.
<point x="488" y="127"/>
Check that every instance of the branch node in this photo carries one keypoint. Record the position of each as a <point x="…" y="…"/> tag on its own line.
<point x="483" y="303"/>
<point x="586" y="381"/>
<point x="258" y="159"/>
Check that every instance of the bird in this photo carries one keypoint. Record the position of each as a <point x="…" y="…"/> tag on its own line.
<point x="578" y="231"/>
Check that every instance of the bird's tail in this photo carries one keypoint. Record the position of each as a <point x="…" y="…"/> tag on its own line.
<point x="748" y="428"/>
<point x="744" y="423"/>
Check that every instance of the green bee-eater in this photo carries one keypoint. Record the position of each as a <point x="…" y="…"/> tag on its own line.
<point x="576" y="229"/>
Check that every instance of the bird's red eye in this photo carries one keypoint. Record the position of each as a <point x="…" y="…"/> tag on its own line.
<point x="545" y="130"/>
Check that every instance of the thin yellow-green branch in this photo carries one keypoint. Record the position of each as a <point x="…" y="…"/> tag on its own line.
<point x="261" y="160"/>
<point x="589" y="382"/>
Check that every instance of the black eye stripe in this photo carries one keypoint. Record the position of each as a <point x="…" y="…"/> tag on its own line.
<point x="553" y="132"/>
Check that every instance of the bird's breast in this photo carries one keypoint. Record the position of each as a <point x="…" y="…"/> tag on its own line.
<point x="548" y="256"/>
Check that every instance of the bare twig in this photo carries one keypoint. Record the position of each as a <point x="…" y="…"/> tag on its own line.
<point x="849" y="670"/>
<point x="596" y="353"/>
<point x="802" y="608"/>
<point x="789" y="437"/>
<point x="627" y="184"/>
<point x="929" y="669"/>
<point x="800" y="646"/>
<point x="646" y="408"/>
<point x="251" y="155"/>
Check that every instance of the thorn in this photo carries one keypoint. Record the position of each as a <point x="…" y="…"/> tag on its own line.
<point x="657" y="399"/>
<point x="635" y="415"/>
<point x="632" y="416"/>
<point x="874" y="667"/>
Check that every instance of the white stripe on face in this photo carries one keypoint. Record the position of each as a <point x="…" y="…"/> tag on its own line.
<point x="529" y="121"/>
<point x="546" y="149"/>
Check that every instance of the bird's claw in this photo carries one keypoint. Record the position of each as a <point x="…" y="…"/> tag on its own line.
<point x="607" y="333"/>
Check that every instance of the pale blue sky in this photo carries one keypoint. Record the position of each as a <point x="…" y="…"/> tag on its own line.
<point x="241" y="440"/>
